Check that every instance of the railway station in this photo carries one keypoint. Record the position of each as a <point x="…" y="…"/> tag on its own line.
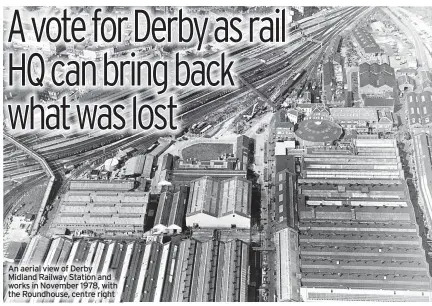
<point x="307" y="181"/>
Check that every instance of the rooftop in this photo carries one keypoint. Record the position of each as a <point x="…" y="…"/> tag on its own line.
<point x="135" y="165"/>
<point x="319" y="131"/>
<point x="376" y="75"/>
<point x="352" y="113"/>
<point x="370" y="101"/>
<point x="328" y="73"/>
<point x="125" y="211"/>
<point x="171" y="208"/>
<point x="282" y="121"/>
<point x="100" y="185"/>
<point x="425" y="78"/>
<point x="220" y="198"/>
<point x="356" y="228"/>
<point x="366" y="41"/>
<point x="406" y="80"/>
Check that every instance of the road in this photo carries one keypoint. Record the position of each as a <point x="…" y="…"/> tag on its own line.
<point x="261" y="168"/>
<point x="405" y="25"/>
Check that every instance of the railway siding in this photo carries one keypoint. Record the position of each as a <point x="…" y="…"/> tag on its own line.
<point x="49" y="173"/>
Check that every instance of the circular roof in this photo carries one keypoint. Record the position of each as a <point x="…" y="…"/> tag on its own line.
<point x="318" y="130"/>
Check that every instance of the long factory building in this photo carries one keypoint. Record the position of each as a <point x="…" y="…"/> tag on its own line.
<point x="171" y="211"/>
<point x="219" y="204"/>
<point x="422" y="144"/>
<point x="102" y="207"/>
<point x="183" y="270"/>
<point x="357" y="237"/>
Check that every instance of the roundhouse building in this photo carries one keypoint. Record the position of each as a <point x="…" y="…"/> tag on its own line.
<point x="315" y="132"/>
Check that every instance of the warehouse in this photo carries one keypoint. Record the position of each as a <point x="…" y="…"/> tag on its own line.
<point x="285" y="193"/>
<point x="101" y="185"/>
<point x="36" y="250"/>
<point x="376" y="102"/>
<point x="287" y="265"/>
<point x="423" y="155"/>
<point x="211" y="271"/>
<point x="185" y="176"/>
<point x="104" y="212"/>
<point x="366" y="41"/>
<point x="378" y="80"/>
<point x="170" y="212"/>
<point x="219" y="204"/>
<point x="357" y="226"/>
<point x="148" y="166"/>
<point x="57" y="255"/>
<point x="134" y="166"/>
<point x="131" y="271"/>
<point x="232" y="274"/>
<point x="328" y="80"/>
<point x="34" y="256"/>
<point x="13" y="251"/>
<point x="374" y="159"/>
<point x="181" y="270"/>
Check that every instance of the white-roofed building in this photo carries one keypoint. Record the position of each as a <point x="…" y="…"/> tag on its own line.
<point x="287" y="265"/>
<point x="377" y="26"/>
<point x="234" y="202"/>
<point x="134" y="166"/>
<point x="281" y="148"/>
<point x="101" y="185"/>
<point x="219" y="204"/>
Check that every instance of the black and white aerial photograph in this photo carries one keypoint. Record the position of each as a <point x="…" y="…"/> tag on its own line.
<point x="217" y="154"/>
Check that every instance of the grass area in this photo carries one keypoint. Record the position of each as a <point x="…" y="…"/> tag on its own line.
<point x="207" y="151"/>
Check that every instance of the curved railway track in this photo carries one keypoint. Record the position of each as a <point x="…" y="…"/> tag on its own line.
<point x="196" y="104"/>
<point x="10" y="198"/>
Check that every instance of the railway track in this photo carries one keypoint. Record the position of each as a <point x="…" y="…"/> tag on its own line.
<point x="104" y="146"/>
<point x="15" y="193"/>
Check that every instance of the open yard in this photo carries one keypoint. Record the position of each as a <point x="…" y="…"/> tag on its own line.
<point x="207" y="151"/>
